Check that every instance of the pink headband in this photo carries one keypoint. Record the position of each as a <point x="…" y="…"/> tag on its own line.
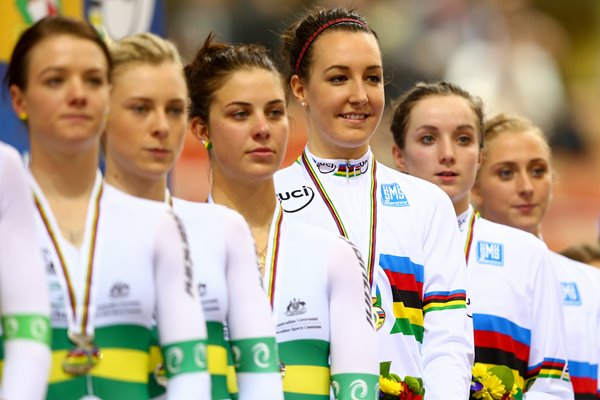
<point x="318" y="31"/>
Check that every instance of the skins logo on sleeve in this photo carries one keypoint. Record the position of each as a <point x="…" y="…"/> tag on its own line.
<point x="570" y="294"/>
<point x="490" y="253"/>
<point x="392" y="195"/>
<point x="296" y="200"/>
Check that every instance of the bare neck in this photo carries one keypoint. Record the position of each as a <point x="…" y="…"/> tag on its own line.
<point x="66" y="176"/>
<point x="255" y="202"/>
<point x="145" y="188"/>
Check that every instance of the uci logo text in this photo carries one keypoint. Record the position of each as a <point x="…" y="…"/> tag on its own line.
<point x="490" y="253"/>
<point x="296" y="200"/>
<point x="392" y="195"/>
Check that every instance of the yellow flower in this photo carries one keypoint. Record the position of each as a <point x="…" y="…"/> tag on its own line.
<point x="493" y="385"/>
<point x="480" y="371"/>
<point x="390" y="386"/>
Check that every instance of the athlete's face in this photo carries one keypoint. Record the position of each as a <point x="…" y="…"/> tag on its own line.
<point x="344" y="93"/>
<point x="148" y="120"/>
<point x="247" y="126"/>
<point x="514" y="185"/>
<point x="66" y="98"/>
<point x="442" y="146"/>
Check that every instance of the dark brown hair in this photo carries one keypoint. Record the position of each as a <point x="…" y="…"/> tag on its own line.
<point x="304" y="31"/>
<point x="406" y="102"/>
<point x="16" y="74"/>
<point x="213" y="64"/>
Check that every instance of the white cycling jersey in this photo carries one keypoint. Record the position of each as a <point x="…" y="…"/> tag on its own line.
<point x="24" y="300"/>
<point x="405" y="228"/>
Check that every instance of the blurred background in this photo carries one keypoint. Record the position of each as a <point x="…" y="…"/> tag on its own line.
<point x="540" y="58"/>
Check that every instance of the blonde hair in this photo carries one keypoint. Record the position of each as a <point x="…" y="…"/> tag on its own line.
<point x="503" y="123"/>
<point x="143" y="47"/>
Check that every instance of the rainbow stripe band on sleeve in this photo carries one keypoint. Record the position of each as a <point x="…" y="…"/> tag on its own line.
<point x="28" y="327"/>
<point x="257" y="355"/>
<point x="185" y="357"/>
<point x="439" y="301"/>
<point x="549" y="368"/>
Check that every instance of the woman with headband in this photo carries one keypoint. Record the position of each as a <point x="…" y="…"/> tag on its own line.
<point x="403" y="226"/>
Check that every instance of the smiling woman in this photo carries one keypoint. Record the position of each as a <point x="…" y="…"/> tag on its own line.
<point x="416" y="274"/>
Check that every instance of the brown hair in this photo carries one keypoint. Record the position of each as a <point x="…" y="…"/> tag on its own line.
<point x="297" y="38"/>
<point x="585" y="252"/>
<point x="213" y="64"/>
<point x="407" y="101"/>
<point x="16" y="74"/>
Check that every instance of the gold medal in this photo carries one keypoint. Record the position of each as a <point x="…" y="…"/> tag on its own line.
<point x="80" y="360"/>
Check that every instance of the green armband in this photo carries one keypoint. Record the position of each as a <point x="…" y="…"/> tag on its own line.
<point x="354" y="386"/>
<point x="255" y="355"/>
<point x="29" y="327"/>
<point x="184" y="357"/>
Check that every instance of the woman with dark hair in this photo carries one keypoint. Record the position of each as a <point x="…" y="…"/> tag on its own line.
<point x="414" y="266"/>
<point x="315" y="280"/>
<point x="112" y="266"/>
<point x="144" y="136"/>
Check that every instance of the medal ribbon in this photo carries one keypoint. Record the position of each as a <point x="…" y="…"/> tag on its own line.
<point x="470" y="232"/>
<point x="336" y="217"/>
<point x="63" y="264"/>
<point x="275" y="242"/>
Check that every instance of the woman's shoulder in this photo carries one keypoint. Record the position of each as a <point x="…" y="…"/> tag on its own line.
<point x="417" y="191"/>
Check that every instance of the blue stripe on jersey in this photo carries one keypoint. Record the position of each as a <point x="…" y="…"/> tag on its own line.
<point x="486" y="322"/>
<point x="583" y="369"/>
<point x="401" y="265"/>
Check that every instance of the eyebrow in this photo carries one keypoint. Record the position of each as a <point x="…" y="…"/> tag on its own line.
<point x="246" y="104"/>
<point x="346" y="68"/>
<point x="62" y="69"/>
<point x="435" y="128"/>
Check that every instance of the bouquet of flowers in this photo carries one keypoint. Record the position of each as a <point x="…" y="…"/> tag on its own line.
<point x="392" y="387"/>
<point x="494" y="383"/>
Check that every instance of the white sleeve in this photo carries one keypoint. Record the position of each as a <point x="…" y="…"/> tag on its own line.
<point x="353" y="352"/>
<point x="448" y="348"/>
<point x="250" y="320"/>
<point x="24" y="298"/>
<point x="180" y="318"/>
<point x="547" y="376"/>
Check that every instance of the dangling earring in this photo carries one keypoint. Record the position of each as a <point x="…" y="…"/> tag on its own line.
<point x="23" y="116"/>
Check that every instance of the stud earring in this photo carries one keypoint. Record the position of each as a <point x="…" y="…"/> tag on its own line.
<point x="206" y="143"/>
<point x="23" y="116"/>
